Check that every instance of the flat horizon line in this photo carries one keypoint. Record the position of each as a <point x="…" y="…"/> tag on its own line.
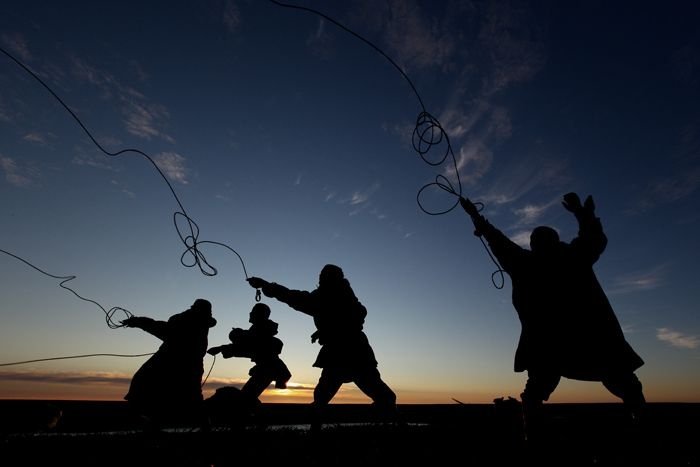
<point x="455" y="404"/>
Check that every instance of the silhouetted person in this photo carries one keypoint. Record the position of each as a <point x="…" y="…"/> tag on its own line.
<point x="259" y="344"/>
<point x="569" y="328"/>
<point x="168" y="387"/>
<point x="346" y="355"/>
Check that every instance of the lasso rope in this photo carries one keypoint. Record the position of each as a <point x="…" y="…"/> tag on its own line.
<point x="427" y="134"/>
<point x="109" y="314"/>
<point x="189" y="233"/>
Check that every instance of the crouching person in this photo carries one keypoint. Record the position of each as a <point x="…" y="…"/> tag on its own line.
<point x="259" y="344"/>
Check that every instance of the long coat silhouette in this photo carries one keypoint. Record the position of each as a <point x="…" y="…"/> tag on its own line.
<point x="169" y="383"/>
<point x="568" y="325"/>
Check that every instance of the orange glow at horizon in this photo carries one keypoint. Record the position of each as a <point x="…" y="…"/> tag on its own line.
<point x="39" y="386"/>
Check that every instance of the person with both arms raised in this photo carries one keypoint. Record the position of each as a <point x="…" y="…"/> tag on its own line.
<point x="568" y="327"/>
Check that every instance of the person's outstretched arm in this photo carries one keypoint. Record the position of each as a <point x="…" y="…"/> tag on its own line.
<point x="481" y="225"/>
<point x="591" y="240"/>
<point x="150" y="325"/>
<point x="226" y="350"/>
<point x="300" y="300"/>
<point x="506" y="251"/>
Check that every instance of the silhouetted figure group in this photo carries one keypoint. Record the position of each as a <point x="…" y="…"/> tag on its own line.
<point x="568" y="329"/>
<point x="168" y="385"/>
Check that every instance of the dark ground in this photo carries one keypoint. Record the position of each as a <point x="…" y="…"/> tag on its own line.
<point x="107" y="434"/>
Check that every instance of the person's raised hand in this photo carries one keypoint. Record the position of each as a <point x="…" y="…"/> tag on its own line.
<point x="468" y="206"/>
<point x="131" y="322"/>
<point x="572" y="202"/>
<point x="257" y="283"/>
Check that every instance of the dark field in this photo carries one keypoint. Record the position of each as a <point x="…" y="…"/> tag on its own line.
<point x="106" y="434"/>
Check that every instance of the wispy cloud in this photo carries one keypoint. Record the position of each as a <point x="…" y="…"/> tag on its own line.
<point x="681" y="183"/>
<point x="232" y="16"/>
<point x="321" y="42"/>
<point x="484" y="127"/>
<point x="677" y="339"/>
<point x="415" y="41"/>
<point x="15" y="174"/>
<point x="113" y="379"/>
<point x="93" y="159"/>
<point x="457" y="123"/>
<point x="122" y="189"/>
<point x="531" y="213"/>
<point x="362" y="196"/>
<point x="329" y="196"/>
<point x="514" y="41"/>
<point x="517" y="180"/>
<point x="173" y="166"/>
<point x="38" y="138"/>
<point x="66" y="377"/>
<point x="640" y="280"/>
<point x="360" y="199"/>
<point x="107" y="83"/>
<point x="497" y="44"/>
<point x="141" y="117"/>
<point x="378" y="214"/>
<point x="472" y="162"/>
<point x="521" y="238"/>
<point x="16" y="44"/>
<point x="670" y="189"/>
<point x="506" y="42"/>
<point x="4" y="114"/>
<point x="214" y="383"/>
<point x="104" y="81"/>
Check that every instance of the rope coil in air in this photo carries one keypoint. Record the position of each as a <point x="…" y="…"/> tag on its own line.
<point x="427" y="134"/>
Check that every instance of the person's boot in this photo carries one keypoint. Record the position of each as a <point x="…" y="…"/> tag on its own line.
<point x="533" y="420"/>
<point x="315" y="415"/>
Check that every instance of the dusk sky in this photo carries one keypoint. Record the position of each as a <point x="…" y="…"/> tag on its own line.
<point x="289" y="140"/>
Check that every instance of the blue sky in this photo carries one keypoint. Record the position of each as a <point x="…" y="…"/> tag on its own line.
<point x="289" y="140"/>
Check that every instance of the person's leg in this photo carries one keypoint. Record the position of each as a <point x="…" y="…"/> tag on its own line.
<point x="255" y="386"/>
<point x="371" y="383"/>
<point x="251" y="390"/>
<point x="538" y="388"/>
<point x="627" y="387"/>
<point x="328" y="385"/>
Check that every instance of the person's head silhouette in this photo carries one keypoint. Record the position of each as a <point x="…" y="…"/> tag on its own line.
<point x="331" y="275"/>
<point x="259" y="313"/>
<point x="201" y="309"/>
<point x="202" y="304"/>
<point x="544" y="240"/>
